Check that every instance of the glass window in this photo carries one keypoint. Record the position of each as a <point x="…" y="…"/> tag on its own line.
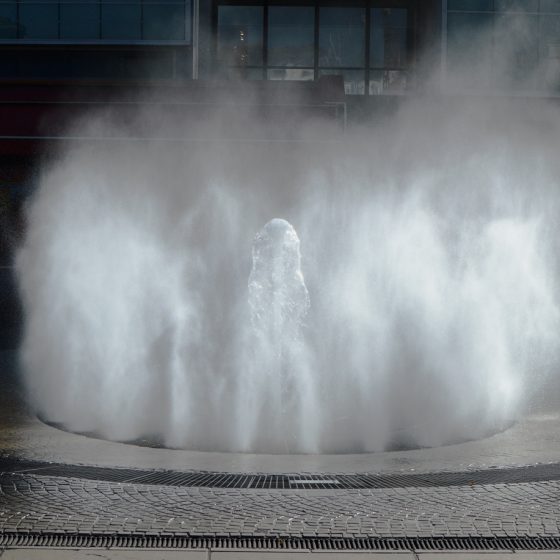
<point x="303" y="74"/>
<point x="516" y="49"/>
<point x="240" y="73"/>
<point x="469" y="46"/>
<point x="388" y="38"/>
<point x="38" y="21"/>
<point x="387" y="81"/>
<point x="549" y="51"/>
<point x="470" y="5"/>
<point x="121" y="21"/>
<point x="240" y="35"/>
<point x="549" y="37"/>
<point x="8" y="21"/>
<point x="341" y="37"/>
<point x="79" y="21"/>
<point x="290" y="36"/>
<point x="550" y="6"/>
<point x="164" y="21"/>
<point x="517" y="5"/>
<point x="469" y="33"/>
<point x="354" y="80"/>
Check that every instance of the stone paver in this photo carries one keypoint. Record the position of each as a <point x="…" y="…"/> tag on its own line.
<point x="102" y="554"/>
<point x="113" y="554"/>
<point x="36" y="503"/>
<point x="42" y="503"/>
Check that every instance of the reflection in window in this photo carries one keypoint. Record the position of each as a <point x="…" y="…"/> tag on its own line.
<point x="341" y="37"/>
<point x="38" y="21"/>
<point x="387" y="81"/>
<point x="240" y="73"/>
<point x="549" y="51"/>
<point x="516" y="45"/>
<point x="79" y="21"/>
<point x="8" y="20"/>
<point x="517" y="5"/>
<point x="300" y="74"/>
<point x="388" y="38"/>
<point x="240" y="35"/>
<point x="290" y="36"/>
<point x="354" y="80"/>
<point x="470" y="5"/>
<point x="552" y="6"/>
<point x="300" y="47"/>
<point x="121" y="21"/>
<point x="163" y="21"/>
<point x="154" y="20"/>
<point x="469" y="46"/>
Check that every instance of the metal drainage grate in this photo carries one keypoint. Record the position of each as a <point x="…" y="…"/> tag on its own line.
<point x="278" y="543"/>
<point x="308" y="481"/>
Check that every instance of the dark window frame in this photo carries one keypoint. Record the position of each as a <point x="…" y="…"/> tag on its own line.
<point x="99" y="40"/>
<point x="410" y="5"/>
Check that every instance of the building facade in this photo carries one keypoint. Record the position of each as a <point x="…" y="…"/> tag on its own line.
<point x="380" y="47"/>
<point x="372" y="43"/>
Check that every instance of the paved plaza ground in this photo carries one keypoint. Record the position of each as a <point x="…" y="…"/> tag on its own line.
<point x="493" y="496"/>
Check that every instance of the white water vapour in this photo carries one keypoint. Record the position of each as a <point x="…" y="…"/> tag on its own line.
<point x="397" y="286"/>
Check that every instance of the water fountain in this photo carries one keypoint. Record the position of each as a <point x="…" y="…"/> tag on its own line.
<point x="420" y="310"/>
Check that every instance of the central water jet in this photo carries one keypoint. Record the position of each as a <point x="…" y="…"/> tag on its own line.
<point x="284" y="415"/>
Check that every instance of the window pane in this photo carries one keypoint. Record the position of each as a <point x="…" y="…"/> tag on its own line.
<point x="469" y="35"/>
<point x="387" y="81"/>
<point x="341" y="37"/>
<point x="474" y="5"/>
<point x="470" y="46"/>
<point x="290" y="74"/>
<point x="549" y="51"/>
<point x="38" y="21"/>
<point x="120" y="21"/>
<point x="240" y="35"/>
<point x="290" y="36"/>
<point x="550" y="6"/>
<point x="164" y="21"/>
<point x="516" y="49"/>
<point x="517" y="5"/>
<point x="79" y="21"/>
<point x="549" y="36"/>
<point x="244" y="73"/>
<point x="8" y="22"/>
<point x="354" y="80"/>
<point x="388" y="38"/>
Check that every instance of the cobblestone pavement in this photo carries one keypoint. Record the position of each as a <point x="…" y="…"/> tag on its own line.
<point x="41" y="503"/>
<point x="31" y="502"/>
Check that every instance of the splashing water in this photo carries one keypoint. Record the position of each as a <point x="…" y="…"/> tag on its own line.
<point x="421" y="310"/>
<point x="278" y="382"/>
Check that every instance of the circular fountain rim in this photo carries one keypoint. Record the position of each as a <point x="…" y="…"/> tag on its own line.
<point x="147" y="443"/>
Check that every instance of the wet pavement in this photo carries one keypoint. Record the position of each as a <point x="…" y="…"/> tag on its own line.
<point x="31" y="502"/>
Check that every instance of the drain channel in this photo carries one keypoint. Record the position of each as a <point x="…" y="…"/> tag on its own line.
<point x="8" y="540"/>
<point x="299" y="481"/>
